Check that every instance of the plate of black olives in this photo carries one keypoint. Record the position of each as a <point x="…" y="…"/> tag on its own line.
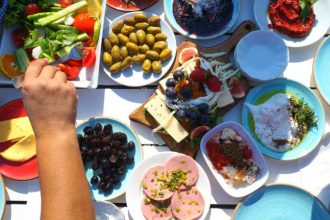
<point x="110" y="150"/>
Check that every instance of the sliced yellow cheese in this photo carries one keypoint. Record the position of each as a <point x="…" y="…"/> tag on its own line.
<point x="22" y="151"/>
<point x="159" y="111"/>
<point x="15" y="129"/>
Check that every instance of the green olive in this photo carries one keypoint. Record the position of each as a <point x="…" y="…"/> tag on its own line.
<point x="140" y="17"/>
<point x="107" y="58"/>
<point x="144" y="48"/>
<point x="154" y="30"/>
<point x="138" y="59"/>
<point x="160" y="46"/>
<point x="133" y="38"/>
<point x="152" y="55"/>
<point x="115" y="53"/>
<point x="156" y="66"/>
<point x="107" y="44"/>
<point x="161" y="37"/>
<point x="154" y="20"/>
<point x="132" y="48"/>
<point x="115" y="68"/>
<point x="123" y="52"/>
<point x="129" y="21"/>
<point x="165" y="54"/>
<point x="146" y="66"/>
<point x="141" y="37"/>
<point x="150" y="40"/>
<point x="116" y="28"/>
<point x="122" y="39"/>
<point x="126" y="30"/>
<point x="126" y="63"/>
<point x="142" y="25"/>
<point x="113" y="39"/>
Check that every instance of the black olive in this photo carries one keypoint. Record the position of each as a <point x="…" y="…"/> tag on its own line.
<point x="124" y="158"/>
<point x="124" y="148"/>
<point x="107" y="129"/>
<point x="113" y="151"/>
<point x="107" y="178"/>
<point x="90" y="153"/>
<point x="113" y="159"/>
<point x="94" y="180"/>
<point x="88" y="130"/>
<point x="112" y="171"/>
<point x="98" y="127"/>
<point x="108" y="187"/>
<point x="120" y="153"/>
<point x="121" y="170"/>
<point x="131" y="146"/>
<point x="81" y="140"/>
<point x="95" y="165"/>
<point x="101" y="185"/>
<point x="106" y="140"/>
<point x="101" y="173"/>
<point x="97" y="151"/>
<point x="115" y="179"/>
<point x="88" y="158"/>
<point x="105" y="163"/>
<point x="88" y="139"/>
<point x="130" y="160"/>
<point x="116" y="143"/>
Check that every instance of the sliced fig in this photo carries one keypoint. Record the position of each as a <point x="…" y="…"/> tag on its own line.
<point x="187" y="54"/>
<point x="198" y="132"/>
<point x="236" y="88"/>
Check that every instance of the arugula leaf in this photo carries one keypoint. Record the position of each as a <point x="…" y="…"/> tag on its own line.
<point x="306" y="8"/>
<point x="31" y="39"/>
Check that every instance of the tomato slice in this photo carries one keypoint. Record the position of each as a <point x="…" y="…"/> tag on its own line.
<point x="65" y="3"/>
<point x="72" y="62"/>
<point x="31" y="9"/>
<point x="18" y="36"/>
<point x="88" y="42"/>
<point x="84" y="23"/>
<point x="72" y="72"/>
<point x="89" y="56"/>
<point x="247" y="153"/>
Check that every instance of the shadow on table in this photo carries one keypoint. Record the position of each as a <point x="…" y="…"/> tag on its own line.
<point x="16" y="186"/>
<point x="324" y="196"/>
<point x="7" y="215"/>
<point x="90" y="103"/>
<point x="304" y="53"/>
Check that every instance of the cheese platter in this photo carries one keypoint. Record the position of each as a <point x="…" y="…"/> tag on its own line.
<point x="201" y="86"/>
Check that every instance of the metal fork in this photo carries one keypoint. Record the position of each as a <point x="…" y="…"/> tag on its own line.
<point x="75" y="54"/>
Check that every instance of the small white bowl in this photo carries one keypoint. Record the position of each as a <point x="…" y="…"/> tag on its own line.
<point x="262" y="55"/>
<point x="244" y="189"/>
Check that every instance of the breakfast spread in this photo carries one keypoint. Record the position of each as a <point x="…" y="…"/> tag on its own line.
<point x="170" y="190"/>
<point x="294" y="18"/>
<point x="232" y="158"/>
<point x="282" y="121"/>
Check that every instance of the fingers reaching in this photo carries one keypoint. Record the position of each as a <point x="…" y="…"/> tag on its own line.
<point x="34" y="69"/>
<point x="48" y="72"/>
<point x="60" y="76"/>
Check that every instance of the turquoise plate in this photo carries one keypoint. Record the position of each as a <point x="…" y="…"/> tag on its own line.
<point x="168" y="8"/>
<point x="120" y="188"/>
<point x="322" y="70"/>
<point x="2" y="198"/>
<point x="281" y="202"/>
<point x="282" y="85"/>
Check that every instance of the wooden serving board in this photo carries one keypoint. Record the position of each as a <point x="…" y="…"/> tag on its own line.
<point x="139" y="114"/>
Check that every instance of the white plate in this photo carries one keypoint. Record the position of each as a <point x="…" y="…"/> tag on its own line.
<point x="321" y="25"/>
<point x="88" y="77"/>
<point x="107" y="211"/>
<point x="134" y="193"/>
<point x="245" y="189"/>
<point x="134" y="77"/>
<point x="262" y="55"/>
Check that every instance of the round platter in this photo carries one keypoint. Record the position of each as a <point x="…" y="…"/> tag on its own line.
<point x="107" y="210"/>
<point x="140" y="5"/>
<point x="168" y="8"/>
<point x="321" y="25"/>
<point x="281" y="202"/>
<point x="118" y="126"/>
<point x="134" y="194"/>
<point x="321" y="70"/>
<point x="282" y="85"/>
<point x="2" y="198"/>
<point x="134" y="77"/>
<point x="14" y="170"/>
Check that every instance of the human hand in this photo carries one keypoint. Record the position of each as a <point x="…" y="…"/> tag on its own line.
<point x="50" y="100"/>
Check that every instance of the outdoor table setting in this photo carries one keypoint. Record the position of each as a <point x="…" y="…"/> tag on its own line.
<point x="192" y="109"/>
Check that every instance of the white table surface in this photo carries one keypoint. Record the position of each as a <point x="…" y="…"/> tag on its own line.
<point x="312" y="172"/>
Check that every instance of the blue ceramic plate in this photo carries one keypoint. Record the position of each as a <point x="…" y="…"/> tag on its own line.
<point x="322" y="70"/>
<point x="120" y="188"/>
<point x="282" y="85"/>
<point x="2" y="197"/>
<point x="281" y="202"/>
<point x="168" y="8"/>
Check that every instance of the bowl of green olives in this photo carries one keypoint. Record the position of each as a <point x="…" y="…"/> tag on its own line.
<point x="138" y="49"/>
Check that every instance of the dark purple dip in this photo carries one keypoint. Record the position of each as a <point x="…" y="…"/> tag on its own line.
<point x="212" y="21"/>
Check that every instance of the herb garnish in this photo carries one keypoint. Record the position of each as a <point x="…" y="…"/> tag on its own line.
<point x="306" y="8"/>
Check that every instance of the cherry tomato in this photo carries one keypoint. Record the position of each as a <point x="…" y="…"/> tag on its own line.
<point x="88" y="41"/>
<point x="31" y="9"/>
<point x="72" y="72"/>
<point x="18" y="36"/>
<point x="221" y="158"/>
<point x="247" y="153"/>
<point x="84" y="23"/>
<point x="73" y="62"/>
<point x="89" y="56"/>
<point x="65" y="3"/>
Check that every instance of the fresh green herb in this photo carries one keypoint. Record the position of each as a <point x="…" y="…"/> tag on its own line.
<point x="306" y="8"/>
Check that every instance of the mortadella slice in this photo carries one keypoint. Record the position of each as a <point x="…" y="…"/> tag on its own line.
<point x="188" y="205"/>
<point x="186" y="164"/>
<point x="153" y="183"/>
<point x="155" y="210"/>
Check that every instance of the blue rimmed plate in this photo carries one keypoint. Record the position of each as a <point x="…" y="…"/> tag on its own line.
<point x="168" y="8"/>
<point x="321" y="70"/>
<point x="281" y="202"/>
<point x="2" y="197"/>
<point x="117" y="126"/>
<point x="263" y="92"/>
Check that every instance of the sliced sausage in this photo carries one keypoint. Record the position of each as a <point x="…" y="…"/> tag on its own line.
<point x="154" y="210"/>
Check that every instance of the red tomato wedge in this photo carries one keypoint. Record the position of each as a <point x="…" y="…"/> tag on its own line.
<point x="65" y="3"/>
<point x="73" y="62"/>
<point x="18" y="36"/>
<point x="31" y="9"/>
<point x="84" y="23"/>
<point x="72" y="72"/>
<point x="89" y="56"/>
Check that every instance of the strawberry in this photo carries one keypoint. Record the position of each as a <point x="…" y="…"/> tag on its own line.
<point x="198" y="74"/>
<point x="213" y="83"/>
